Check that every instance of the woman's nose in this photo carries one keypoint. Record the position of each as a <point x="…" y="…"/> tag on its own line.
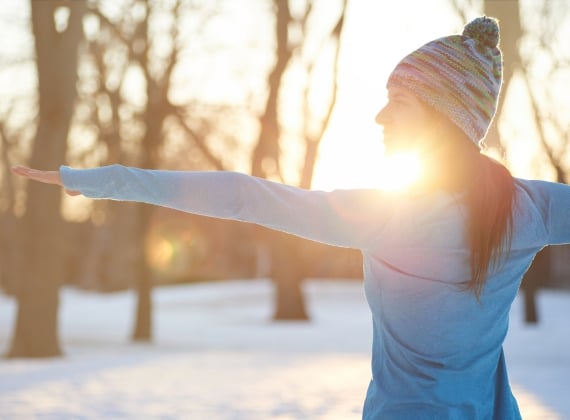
<point x="381" y="117"/>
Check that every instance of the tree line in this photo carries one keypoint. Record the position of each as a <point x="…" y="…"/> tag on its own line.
<point x="132" y="82"/>
<point x="108" y="73"/>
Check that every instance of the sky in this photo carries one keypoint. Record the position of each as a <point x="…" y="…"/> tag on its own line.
<point x="378" y="35"/>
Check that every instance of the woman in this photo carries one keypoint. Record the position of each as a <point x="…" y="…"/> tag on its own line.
<point x="442" y="261"/>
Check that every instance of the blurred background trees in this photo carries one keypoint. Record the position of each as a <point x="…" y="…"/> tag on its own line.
<point x="39" y="234"/>
<point x="119" y="80"/>
<point x="214" y="85"/>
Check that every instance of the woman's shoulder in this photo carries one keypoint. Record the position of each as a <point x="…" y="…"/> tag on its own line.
<point x="539" y="190"/>
<point x="543" y="206"/>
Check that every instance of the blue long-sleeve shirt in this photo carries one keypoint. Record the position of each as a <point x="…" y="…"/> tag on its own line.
<point x="437" y="352"/>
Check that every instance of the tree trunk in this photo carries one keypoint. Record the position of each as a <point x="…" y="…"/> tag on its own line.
<point x="265" y="161"/>
<point x="156" y="111"/>
<point x="36" y="332"/>
<point x="535" y="278"/>
<point x="288" y="273"/>
<point x="511" y="32"/>
<point x="288" y="263"/>
<point x="287" y="278"/>
<point x="142" y="330"/>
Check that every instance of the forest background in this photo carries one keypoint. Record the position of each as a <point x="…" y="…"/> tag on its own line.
<point x="282" y="89"/>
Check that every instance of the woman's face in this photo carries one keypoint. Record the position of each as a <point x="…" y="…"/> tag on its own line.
<point x="408" y="123"/>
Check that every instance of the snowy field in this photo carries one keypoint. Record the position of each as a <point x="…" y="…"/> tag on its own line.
<point x="217" y="355"/>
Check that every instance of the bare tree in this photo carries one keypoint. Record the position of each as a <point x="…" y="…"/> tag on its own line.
<point x="545" y="75"/>
<point x="288" y="256"/>
<point x="266" y="157"/>
<point x="12" y="136"/>
<point x="127" y="36"/>
<point x="56" y="47"/>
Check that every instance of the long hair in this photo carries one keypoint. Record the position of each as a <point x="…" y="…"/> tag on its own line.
<point x="490" y="190"/>
<point x="490" y="193"/>
<point x="490" y="200"/>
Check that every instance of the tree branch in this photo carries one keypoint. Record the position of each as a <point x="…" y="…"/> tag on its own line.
<point x="178" y="114"/>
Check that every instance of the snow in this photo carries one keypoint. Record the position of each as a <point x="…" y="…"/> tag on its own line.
<point x="218" y="355"/>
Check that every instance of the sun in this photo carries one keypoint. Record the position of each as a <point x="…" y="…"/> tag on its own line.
<point x="399" y="171"/>
<point x="366" y="167"/>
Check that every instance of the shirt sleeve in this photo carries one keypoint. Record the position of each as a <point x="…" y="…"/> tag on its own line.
<point x="559" y="213"/>
<point x="347" y="218"/>
<point x="552" y="200"/>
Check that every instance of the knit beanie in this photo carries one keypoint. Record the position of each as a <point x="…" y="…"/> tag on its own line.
<point x="459" y="76"/>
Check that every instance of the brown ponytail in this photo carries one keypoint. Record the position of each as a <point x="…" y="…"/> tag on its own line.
<point x="490" y="202"/>
<point x="460" y="166"/>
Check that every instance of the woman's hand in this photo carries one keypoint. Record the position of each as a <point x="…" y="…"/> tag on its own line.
<point x="47" y="177"/>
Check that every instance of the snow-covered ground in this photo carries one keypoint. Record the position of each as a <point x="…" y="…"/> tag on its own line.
<point x="217" y="355"/>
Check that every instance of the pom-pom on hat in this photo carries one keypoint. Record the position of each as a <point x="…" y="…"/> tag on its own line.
<point x="460" y="76"/>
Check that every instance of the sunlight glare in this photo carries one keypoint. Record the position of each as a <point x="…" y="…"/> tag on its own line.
<point x="368" y="170"/>
<point x="399" y="171"/>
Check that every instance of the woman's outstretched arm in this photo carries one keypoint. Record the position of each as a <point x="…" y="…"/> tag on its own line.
<point x="349" y="218"/>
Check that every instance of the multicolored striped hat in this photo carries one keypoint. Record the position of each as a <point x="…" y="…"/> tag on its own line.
<point x="459" y="76"/>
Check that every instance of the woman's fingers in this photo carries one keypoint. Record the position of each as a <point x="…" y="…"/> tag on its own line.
<point x="20" y="170"/>
<point x="48" y="177"/>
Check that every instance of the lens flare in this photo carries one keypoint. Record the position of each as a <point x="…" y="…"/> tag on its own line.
<point x="174" y="247"/>
<point x="161" y="253"/>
